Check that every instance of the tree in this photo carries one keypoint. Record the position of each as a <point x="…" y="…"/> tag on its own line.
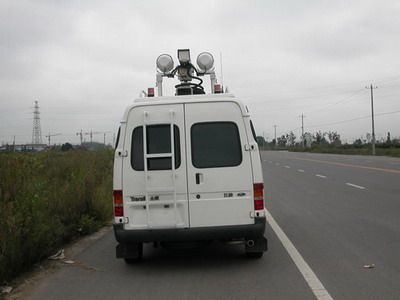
<point x="388" y="140"/>
<point x="66" y="147"/>
<point x="334" y="138"/>
<point x="368" y="136"/>
<point x="260" y="141"/>
<point x="291" y="139"/>
<point x="319" y="138"/>
<point x="282" y="141"/>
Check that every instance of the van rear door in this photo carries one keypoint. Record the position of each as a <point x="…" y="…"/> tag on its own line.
<point x="154" y="168"/>
<point x="220" y="178"/>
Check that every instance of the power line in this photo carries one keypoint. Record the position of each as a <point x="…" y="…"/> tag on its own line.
<point x="350" y="97"/>
<point x="355" y="119"/>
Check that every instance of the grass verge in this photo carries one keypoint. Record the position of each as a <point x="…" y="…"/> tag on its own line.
<point x="46" y="200"/>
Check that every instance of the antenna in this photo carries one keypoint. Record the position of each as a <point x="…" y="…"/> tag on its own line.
<point x="222" y="74"/>
<point x="37" y="131"/>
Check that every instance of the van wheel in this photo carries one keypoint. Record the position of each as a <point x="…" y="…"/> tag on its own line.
<point x="254" y="254"/>
<point x="135" y="253"/>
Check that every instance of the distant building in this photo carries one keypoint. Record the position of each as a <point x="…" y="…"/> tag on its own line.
<point x="23" y="148"/>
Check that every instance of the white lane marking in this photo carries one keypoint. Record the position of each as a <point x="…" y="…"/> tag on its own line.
<point x="320" y="176"/>
<point x="356" y="186"/>
<point x="287" y="167"/>
<point x="300" y="170"/>
<point x="308" y="274"/>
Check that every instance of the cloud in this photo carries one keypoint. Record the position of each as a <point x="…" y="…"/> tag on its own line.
<point x="85" y="62"/>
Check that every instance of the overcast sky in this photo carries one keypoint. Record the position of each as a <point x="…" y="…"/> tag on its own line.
<point x="85" y="61"/>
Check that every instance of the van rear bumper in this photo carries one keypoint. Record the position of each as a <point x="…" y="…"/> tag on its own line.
<point x="250" y="231"/>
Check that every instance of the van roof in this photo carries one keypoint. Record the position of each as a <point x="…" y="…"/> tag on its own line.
<point x="207" y="98"/>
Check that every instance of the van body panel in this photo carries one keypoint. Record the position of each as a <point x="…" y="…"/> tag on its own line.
<point x="159" y="185"/>
<point x="219" y="195"/>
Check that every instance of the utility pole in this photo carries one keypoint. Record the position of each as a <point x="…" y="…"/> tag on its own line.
<point x="104" y="138"/>
<point x="302" y="130"/>
<point x="275" y="135"/>
<point x="372" y="115"/>
<point x="14" y="144"/>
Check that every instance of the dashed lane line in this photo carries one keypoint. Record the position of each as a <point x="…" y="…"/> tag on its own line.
<point x="386" y="170"/>
<point x="308" y="274"/>
<point x="287" y="167"/>
<point x="356" y="186"/>
<point x="320" y="176"/>
<point x="300" y="170"/>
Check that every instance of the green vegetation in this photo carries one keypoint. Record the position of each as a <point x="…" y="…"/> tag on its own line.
<point x="330" y="142"/>
<point x="46" y="200"/>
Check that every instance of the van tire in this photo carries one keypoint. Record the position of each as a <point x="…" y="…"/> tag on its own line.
<point x="135" y="253"/>
<point x="254" y="255"/>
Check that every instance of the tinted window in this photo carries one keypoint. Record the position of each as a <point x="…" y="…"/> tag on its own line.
<point x="118" y="134"/>
<point x="215" y="144"/>
<point x="158" y="142"/>
<point x="253" y="131"/>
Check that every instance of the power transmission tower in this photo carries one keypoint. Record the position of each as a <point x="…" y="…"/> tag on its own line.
<point x="37" y="131"/>
<point x="372" y="115"/>
<point x="302" y="130"/>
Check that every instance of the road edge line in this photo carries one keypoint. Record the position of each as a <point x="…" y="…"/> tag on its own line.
<point x="309" y="276"/>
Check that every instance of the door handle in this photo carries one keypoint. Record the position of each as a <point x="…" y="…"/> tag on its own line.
<point x="197" y="178"/>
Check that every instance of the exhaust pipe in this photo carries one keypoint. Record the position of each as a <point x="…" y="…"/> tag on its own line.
<point x="250" y="243"/>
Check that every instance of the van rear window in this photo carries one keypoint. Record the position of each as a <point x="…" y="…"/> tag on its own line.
<point x="215" y="145"/>
<point x="158" y="138"/>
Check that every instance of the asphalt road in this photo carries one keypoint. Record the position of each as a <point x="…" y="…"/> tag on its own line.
<point x="340" y="212"/>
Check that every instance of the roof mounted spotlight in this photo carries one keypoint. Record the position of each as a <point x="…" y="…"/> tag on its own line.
<point x="186" y="72"/>
<point x="205" y="61"/>
<point x="165" y="63"/>
<point x="184" y="56"/>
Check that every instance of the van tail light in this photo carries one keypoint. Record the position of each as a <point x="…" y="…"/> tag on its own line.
<point x="150" y="92"/>
<point x="258" y="189"/>
<point x="217" y="88"/>
<point x="118" y="203"/>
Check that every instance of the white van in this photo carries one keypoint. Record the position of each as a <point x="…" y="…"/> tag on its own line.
<point x="187" y="168"/>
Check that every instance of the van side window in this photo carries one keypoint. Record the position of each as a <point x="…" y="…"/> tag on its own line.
<point x="118" y="134"/>
<point x="158" y="139"/>
<point x="215" y="145"/>
<point x="253" y="131"/>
